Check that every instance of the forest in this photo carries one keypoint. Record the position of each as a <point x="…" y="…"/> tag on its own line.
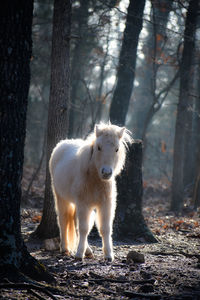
<point x="66" y="66"/>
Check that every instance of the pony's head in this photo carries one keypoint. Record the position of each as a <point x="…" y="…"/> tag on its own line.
<point x="109" y="149"/>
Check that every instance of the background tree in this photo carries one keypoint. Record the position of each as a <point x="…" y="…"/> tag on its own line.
<point x="58" y="105"/>
<point x="130" y="223"/>
<point x="196" y="190"/>
<point x="40" y="81"/>
<point x="192" y="134"/>
<point x="148" y="101"/>
<point x="91" y="23"/>
<point x="195" y="141"/>
<point x="127" y="62"/>
<point x="182" y="121"/>
<point x="129" y="218"/>
<point x="15" y="47"/>
<point x="81" y="53"/>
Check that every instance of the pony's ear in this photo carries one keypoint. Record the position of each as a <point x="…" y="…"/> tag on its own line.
<point x="121" y="132"/>
<point x="98" y="130"/>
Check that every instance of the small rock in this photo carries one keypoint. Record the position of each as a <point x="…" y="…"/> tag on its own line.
<point x="85" y="284"/>
<point x="198" y="266"/>
<point x="146" y="288"/>
<point x="145" y="274"/>
<point x="132" y="268"/>
<point x="51" y="244"/>
<point x="135" y="257"/>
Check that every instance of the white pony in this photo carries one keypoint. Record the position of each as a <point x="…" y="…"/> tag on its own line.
<point x="83" y="180"/>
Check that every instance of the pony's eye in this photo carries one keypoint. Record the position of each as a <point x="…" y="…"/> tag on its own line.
<point x="99" y="148"/>
<point x="117" y="150"/>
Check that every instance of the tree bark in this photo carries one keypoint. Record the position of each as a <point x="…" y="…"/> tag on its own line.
<point x="183" y="108"/>
<point x="146" y="100"/>
<point x="129" y="221"/>
<point x="127" y="62"/>
<point x="196" y="190"/>
<point x="15" y="49"/>
<point x="58" y="106"/>
<point x="196" y="132"/>
<point x="191" y="148"/>
<point x="81" y="53"/>
<point x="160" y="11"/>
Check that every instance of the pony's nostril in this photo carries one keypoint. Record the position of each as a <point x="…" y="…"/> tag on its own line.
<point x="106" y="172"/>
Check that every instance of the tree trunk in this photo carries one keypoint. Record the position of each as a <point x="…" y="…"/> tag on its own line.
<point x="81" y="53"/>
<point x="191" y="149"/>
<point x="127" y="63"/>
<point x="58" y="106"/>
<point x="129" y="221"/>
<point x="196" y="190"/>
<point x="196" y="131"/>
<point x="15" y="49"/>
<point x="160" y="12"/>
<point x="144" y="106"/>
<point x="183" y="108"/>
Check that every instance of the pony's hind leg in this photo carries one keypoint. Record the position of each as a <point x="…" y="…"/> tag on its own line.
<point x="62" y="219"/>
<point x="71" y="227"/>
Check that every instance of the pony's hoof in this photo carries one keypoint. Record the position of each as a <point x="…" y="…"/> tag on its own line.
<point x="65" y="252"/>
<point x="89" y="253"/>
<point x="77" y="258"/>
<point x="109" y="259"/>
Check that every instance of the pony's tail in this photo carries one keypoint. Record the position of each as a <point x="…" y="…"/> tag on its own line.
<point x="71" y="227"/>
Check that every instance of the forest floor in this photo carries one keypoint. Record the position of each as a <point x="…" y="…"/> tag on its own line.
<point x="170" y="270"/>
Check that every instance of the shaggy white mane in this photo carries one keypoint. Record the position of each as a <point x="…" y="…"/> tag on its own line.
<point x="111" y="129"/>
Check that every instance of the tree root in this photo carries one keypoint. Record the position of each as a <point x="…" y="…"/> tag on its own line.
<point x="28" y="287"/>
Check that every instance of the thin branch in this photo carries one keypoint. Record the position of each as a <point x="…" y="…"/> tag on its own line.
<point x="144" y="19"/>
<point x="156" y="105"/>
<point x="167" y="88"/>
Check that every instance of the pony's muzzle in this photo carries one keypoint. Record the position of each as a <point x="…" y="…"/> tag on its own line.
<point x="106" y="173"/>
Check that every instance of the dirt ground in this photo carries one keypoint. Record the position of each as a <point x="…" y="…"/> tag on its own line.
<point x="170" y="269"/>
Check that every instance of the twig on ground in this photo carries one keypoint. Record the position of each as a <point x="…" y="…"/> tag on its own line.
<point x="36" y="295"/>
<point x="98" y="278"/>
<point x="141" y="295"/>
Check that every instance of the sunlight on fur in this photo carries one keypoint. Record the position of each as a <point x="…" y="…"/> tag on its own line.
<point x="83" y="180"/>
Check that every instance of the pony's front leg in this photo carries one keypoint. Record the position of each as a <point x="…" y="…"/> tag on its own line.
<point x="105" y="223"/>
<point x="83" y="215"/>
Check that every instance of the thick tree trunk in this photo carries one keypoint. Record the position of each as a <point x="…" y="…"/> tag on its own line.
<point x="129" y="221"/>
<point x="58" y="106"/>
<point x="183" y="108"/>
<point x="15" y="49"/>
<point x="127" y="63"/>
